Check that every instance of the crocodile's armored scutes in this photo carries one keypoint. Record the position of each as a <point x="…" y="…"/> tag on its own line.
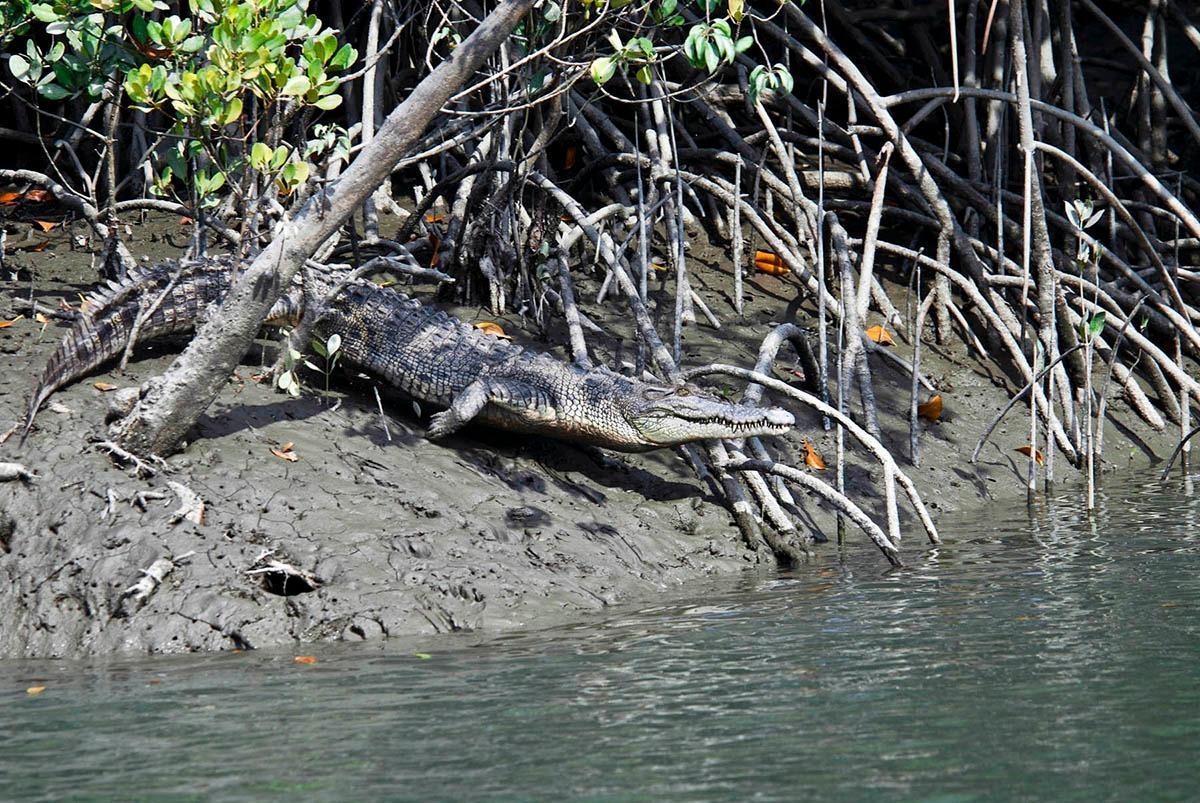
<point x="423" y="352"/>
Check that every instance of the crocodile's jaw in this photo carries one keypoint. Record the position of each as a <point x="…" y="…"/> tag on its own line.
<point x="686" y="415"/>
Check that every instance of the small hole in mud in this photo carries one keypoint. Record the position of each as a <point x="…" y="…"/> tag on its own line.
<point x="287" y="584"/>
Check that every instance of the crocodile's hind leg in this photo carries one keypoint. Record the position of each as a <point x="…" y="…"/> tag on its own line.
<point x="517" y="401"/>
<point x="466" y="405"/>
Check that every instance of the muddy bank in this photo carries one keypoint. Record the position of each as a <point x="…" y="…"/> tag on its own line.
<point x="388" y="534"/>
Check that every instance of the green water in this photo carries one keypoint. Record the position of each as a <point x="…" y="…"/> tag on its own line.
<point x="1034" y="655"/>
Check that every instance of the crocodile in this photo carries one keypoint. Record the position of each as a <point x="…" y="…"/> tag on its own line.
<point x="422" y="351"/>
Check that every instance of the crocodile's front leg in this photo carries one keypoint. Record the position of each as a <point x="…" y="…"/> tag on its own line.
<point x="512" y="399"/>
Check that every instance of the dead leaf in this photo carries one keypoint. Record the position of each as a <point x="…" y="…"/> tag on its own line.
<point x="305" y="659"/>
<point x="769" y="263"/>
<point x="104" y="387"/>
<point x="932" y="409"/>
<point x="492" y="328"/>
<point x="285" y="453"/>
<point x="40" y="318"/>
<point x="58" y="407"/>
<point x="184" y="220"/>
<point x="658" y="267"/>
<point x="37" y="196"/>
<point x="6" y="324"/>
<point x="35" y="690"/>
<point x="1038" y="456"/>
<point x="811" y="458"/>
<point x="45" y="225"/>
<point x="434" y="218"/>
<point x="570" y="157"/>
<point x="9" y="198"/>
<point x="65" y="305"/>
<point x="880" y="335"/>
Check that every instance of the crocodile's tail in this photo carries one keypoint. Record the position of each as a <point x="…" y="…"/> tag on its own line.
<point x="107" y="318"/>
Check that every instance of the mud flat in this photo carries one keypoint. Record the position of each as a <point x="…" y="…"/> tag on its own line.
<point x="374" y="532"/>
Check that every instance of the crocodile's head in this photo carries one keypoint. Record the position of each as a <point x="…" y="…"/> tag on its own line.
<point x="664" y="415"/>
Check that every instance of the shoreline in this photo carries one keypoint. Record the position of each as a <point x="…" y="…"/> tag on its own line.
<point x="397" y="536"/>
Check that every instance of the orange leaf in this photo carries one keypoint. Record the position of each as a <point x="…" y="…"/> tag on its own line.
<point x="434" y="218"/>
<point x="37" y="247"/>
<point x="880" y="335"/>
<point x="772" y="269"/>
<point x="37" y="196"/>
<point x="811" y="458"/>
<point x="35" y="690"/>
<point x="103" y="387"/>
<point x="9" y="198"/>
<point x="6" y="324"/>
<point x="184" y="220"/>
<point x="45" y="225"/>
<point x="768" y="257"/>
<point x="1038" y="456"/>
<point x="570" y="157"/>
<point x="492" y="329"/>
<point x="65" y="305"/>
<point x="932" y="409"/>
<point x="305" y="659"/>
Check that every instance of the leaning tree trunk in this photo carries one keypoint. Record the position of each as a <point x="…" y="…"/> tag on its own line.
<point x="172" y="404"/>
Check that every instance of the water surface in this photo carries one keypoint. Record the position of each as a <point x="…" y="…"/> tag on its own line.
<point x="1037" y="654"/>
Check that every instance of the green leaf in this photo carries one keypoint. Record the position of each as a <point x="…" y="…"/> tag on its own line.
<point x="260" y="156"/>
<point x="329" y="102"/>
<point x="712" y="59"/>
<point x="1096" y="324"/>
<point x="52" y="92"/>
<point x="343" y="58"/>
<point x="18" y="66"/>
<point x="552" y="12"/>
<point x="233" y="111"/>
<point x="296" y="85"/>
<point x="44" y="12"/>
<point x="744" y="44"/>
<point x="603" y="69"/>
<point x="643" y="74"/>
<point x="334" y="343"/>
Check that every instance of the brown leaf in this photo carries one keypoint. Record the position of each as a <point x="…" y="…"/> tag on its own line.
<point x="570" y="157"/>
<point x="811" y="458"/>
<point x="104" y="387"/>
<point x="285" y="453"/>
<point x="184" y="220"/>
<point x="1038" y="456"/>
<point x="40" y="318"/>
<point x="45" y="225"/>
<point x="65" y="305"/>
<point x="9" y="198"/>
<point x="37" y="196"/>
<point x="932" y="409"/>
<point x="305" y="659"/>
<point x="435" y="243"/>
<point x="880" y="335"/>
<point x="492" y="328"/>
<point x="6" y="324"/>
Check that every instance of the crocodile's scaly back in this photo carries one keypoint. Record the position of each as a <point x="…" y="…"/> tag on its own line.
<point x="419" y="349"/>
